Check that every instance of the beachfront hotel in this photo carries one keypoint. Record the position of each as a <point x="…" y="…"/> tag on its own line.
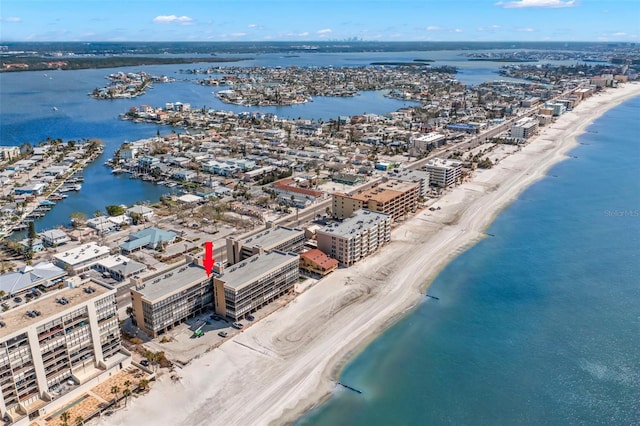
<point x="278" y="238"/>
<point x="524" y="128"/>
<point x="246" y="286"/>
<point x="356" y="237"/>
<point x="394" y="197"/>
<point x="163" y="301"/>
<point x="427" y="142"/>
<point x="443" y="172"/>
<point x="54" y="348"/>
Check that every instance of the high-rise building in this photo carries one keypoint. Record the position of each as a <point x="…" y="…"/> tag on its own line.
<point x="355" y="237"/>
<point x="54" y="347"/>
<point x="278" y="238"/>
<point x="246" y="286"/>
<point x="443" y="172"/>
<point x="394" y="197"/>
<point x="163" y="301"/>
<point x="524" y="128"/>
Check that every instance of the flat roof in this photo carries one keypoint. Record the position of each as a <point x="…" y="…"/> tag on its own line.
<point x="271" y="237"/>
<point x="385" y="192"/>
<point x="157" y="288"/>
<point x="82" y="253"/>
<point x="409" y="174"/>
<point x="361" y="219"/>
<point x="247" y="271"/>
<point x="443" y="163"/>
<point x="16" y="319"/>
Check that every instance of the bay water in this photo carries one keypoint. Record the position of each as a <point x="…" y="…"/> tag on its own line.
<point x="538" y="325"/>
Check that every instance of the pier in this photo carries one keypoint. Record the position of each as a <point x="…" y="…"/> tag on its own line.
<point x="351" y="388"/>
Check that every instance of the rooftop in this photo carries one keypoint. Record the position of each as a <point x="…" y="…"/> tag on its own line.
<point x="244" y="273"/>
<point x="385" y="192"/>
<point x="318" y="257"/>
<point x="157" y="288"/>
<point x="361" y="219"/>
<point x="443" y="163"/>
<point x="409" y="175"/>
<point x="29" y="276"/>
<point x="16" y="319"/>
<point x="272" y="237"/>
<point x="82" y="253"/>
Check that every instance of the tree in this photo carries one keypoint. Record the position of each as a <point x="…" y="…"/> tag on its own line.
<point x="78" y="219"/>
<point x="126" y="393"/>
<point x="79" y="420"/>
<point x="65" y="418"/>
<point x="97" y="213"/>
<point x="114" y="210"/>
<point x="115" y="390"/>
<point x="32" y="231"/>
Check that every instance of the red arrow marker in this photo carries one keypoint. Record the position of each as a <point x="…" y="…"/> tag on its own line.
<point x="208" y="260"/>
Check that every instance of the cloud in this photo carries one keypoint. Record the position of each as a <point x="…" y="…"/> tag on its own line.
<point x="554" y="4"/>
<point x="303" y="34"/>
<point x="172" y="19"/>
<point x="490" y="28"/>
<point x="434" y="28"/>
<point x="324" y="31"/>
<point x="457" y="30"/>
<point x="238" y="34"/>
<point x="619" y="34"/>
<point x="11" y="19"/>
<point x="525" y="30"/>
<point x="252" y="26"/>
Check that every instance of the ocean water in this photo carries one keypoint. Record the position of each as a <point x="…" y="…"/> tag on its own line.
<point x="539" y="325"/>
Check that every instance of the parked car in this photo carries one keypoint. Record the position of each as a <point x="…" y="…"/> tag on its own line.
<point x="250" y="317"/>
<point x="144" y="362"/>
<point x="223" y="334"/>
<point x="237" y="325"/>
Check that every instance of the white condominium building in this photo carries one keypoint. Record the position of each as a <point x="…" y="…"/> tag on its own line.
<point x="443" y="172"/>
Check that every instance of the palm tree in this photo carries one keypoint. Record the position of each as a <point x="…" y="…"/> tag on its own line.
<point x="79" y="420"/>
<point x="126" y="393"/>
<point x="65" y="418"/>
<point x="115" y="390"/>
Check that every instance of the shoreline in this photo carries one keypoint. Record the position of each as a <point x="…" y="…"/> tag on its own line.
<point x="286" y="365"/>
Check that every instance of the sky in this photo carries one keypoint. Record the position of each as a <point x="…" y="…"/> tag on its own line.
<point x="316" y="20"/>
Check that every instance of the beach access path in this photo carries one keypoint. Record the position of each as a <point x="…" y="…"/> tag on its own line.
<point x="287" y="363"/>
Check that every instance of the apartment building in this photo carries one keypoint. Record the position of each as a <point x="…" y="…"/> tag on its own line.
<point x="394" y="197"/>
<point x="278" y="238"/>
<point x="246" y="286"/>
<point x="524" y="128"/>
<point x="54" y="348"/>
<point x="443" y="172"/>
<point x="427" y="142"/>
<point x="420" y="177"/>
<point x="356" y="237"/>
<point x="163" y="301"/>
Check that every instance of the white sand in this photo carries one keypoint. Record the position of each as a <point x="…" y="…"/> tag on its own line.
<point x="274" y="371"/>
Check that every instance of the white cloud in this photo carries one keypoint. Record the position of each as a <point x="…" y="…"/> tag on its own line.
<point x="252" y="26"/>
<point x="434" y="28"/>
<point x="619" y="34"/>
<point x="525" y="30"/>
<point x="303" y="34"/>
<point x="324" y="31"/>
<point x="536" y="3"/>
<point x="172" y="19"/>
<point x="238" y="34"/>
<point x="457" y="30"/>
<point x="490" y="28"/>
<point x="11" y="19"/>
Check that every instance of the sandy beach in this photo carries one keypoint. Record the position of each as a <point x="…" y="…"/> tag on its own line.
<point x="287" y="363"/>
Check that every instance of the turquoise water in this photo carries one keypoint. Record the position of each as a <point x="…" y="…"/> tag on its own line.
<point x="539" y="325"/>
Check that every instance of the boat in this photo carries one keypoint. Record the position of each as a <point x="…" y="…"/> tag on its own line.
<point x="55" y="108"/>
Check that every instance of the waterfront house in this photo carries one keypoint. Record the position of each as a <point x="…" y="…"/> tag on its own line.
<point x="315" y="261"/>
<point x="36" y="245"/>
<point x="145" y="212"/>
<point x="55" y="237"/>
<point x="32" y="189"/>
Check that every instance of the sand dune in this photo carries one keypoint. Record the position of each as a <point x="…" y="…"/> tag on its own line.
<point x="284" y="365"/>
